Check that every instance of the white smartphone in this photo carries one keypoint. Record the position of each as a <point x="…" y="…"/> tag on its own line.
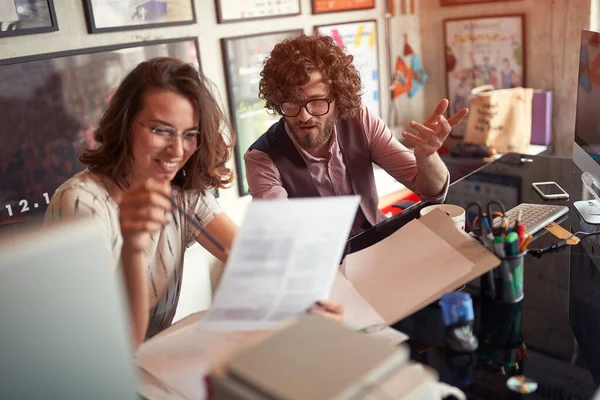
<point x="550" y="190"/>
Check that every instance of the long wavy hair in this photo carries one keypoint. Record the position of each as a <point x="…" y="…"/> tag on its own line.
<point x="292" y="60"/>
<point x="113" y="158"/>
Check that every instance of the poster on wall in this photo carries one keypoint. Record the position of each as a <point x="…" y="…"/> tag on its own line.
<point x="244" y="57"/>
<point x="482" y="51"/>
<point x="445" y="3"/>
<point x="119" y="15"/>
<point x="23" y="17"/>
<point x="360" y="40"/>
<point x="236" y="10"/>
<point x="49" y="107"/>
<point x="327" y="6"/>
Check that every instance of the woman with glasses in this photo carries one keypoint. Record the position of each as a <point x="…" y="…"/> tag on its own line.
<point x="326" y="142"/>
<point x="161" y="151"/>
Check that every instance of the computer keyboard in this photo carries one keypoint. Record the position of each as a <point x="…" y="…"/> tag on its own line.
<point x="533" y="216"/>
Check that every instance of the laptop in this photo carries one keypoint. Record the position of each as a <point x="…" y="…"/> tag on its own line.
<point x="64" y="331"/>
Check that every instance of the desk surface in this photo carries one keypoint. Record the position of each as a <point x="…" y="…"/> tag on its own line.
<point x="559" y="318"/>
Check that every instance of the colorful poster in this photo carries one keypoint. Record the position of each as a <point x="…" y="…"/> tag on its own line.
<point x="325" y="6"/>
<point x="244" y="60"/>
<point x="112" y="15"/>
<point x="360" y="40"/>
<point x="50" y="105"/>
<point x="483" y="51"/>
<point x="235" y="10"/>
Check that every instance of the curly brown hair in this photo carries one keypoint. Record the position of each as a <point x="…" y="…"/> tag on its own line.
<point x="292" y="60"/>
<point x="205" y="169"/>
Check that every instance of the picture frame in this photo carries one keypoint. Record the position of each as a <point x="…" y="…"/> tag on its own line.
<point x="243" y="57"/>
<point x="52" y="103"/>
<point x="248" y="10"/>
<point x="330" y="6"/>
<point x="34" y="16"/>
<point x="448" y="3"/>
<point x="486" y="50"/>
<point x="360" y="39"/>
<point x="122" y="15"/>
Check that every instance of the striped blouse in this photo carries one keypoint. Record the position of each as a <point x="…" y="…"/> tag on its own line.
<point x="89" y="195"/>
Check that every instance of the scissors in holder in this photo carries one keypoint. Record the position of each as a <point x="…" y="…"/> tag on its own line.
<point x="496" y="226"/>
<point x="481" y="217"/>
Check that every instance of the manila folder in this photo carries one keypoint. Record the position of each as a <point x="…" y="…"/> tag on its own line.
<point x="412" y="267"/>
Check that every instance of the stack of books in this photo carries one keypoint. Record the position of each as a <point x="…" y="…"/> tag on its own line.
<point x="314" y="358"/>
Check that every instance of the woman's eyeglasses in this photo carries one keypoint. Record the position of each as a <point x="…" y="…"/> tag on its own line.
<point x="163" y="136"/>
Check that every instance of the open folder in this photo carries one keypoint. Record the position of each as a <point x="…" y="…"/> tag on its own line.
<point x="416" y="265"/>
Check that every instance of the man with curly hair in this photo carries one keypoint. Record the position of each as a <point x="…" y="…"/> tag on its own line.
<point x="326" y="142"/>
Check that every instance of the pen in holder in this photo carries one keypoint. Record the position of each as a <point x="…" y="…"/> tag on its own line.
<point x="504" y="284"/>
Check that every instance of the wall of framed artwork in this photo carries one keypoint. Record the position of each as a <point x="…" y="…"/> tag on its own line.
<point x="360" y="40"/>
<point x="329" y="6"/>
<point x="28" y="17"/>
<point x="119" y="15"/>
<point x="52" y="102"/>
<point x="244" y="57"/>
<point x="209" y="31"/>
<point x="487" y="50"/>
<point x="446" y="3"/>
<point x="236" y="11"/>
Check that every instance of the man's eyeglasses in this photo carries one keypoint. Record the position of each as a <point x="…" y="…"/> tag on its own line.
<point x="163" y="136"/>
<point x="316" y="107"/>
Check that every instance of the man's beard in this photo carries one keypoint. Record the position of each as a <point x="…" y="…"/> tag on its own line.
<point x="311" y="141"/>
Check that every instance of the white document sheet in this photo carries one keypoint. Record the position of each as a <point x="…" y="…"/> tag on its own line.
<point x="284" y="259"/>
<point x="174" y="366"/>
<point x="8" y="11"/>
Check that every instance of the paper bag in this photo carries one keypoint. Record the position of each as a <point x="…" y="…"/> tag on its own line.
<point x="501" y="119"/>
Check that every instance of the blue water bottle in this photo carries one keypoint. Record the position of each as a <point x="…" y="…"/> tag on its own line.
<point x="458" y="316"/>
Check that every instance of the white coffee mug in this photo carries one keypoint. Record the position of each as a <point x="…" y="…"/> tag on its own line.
<point x="457" y="213"/>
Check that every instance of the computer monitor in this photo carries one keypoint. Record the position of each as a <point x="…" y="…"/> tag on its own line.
<point x="586" y="146"/>
<point x="64" y="331"/>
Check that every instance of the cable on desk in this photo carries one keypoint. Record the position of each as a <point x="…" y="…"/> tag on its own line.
<point x="556" y="246"/>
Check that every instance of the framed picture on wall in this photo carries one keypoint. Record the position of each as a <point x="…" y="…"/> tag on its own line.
<point x="119" y="15"/>
<point x="445" y="3"/>
<point x="480" y="51"/>
<point x="24" y="17"/>
<point x="236" y="10"/>
<point x="327" y="6"/>
<point x="244" y="57"/>
<point x="360" y="40"/>
<point x="50" y="105"/>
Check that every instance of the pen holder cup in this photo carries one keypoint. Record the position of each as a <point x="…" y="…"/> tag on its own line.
<point x="504" y="284"/>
